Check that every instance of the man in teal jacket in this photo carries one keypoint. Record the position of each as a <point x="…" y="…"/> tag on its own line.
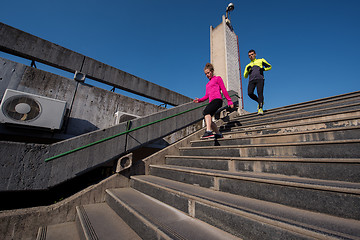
<point x="255" y="70"/>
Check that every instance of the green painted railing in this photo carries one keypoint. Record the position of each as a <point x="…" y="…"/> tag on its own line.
<point x="119" y="134"/>
<point x="125" y="132"/>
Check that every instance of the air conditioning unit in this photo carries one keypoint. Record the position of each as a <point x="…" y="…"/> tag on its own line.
<point x="31" y="110"/>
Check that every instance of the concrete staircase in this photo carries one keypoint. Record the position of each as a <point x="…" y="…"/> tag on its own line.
<point x="293" y="173"/>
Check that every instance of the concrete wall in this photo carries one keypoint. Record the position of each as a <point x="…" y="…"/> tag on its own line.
<point x="217" y="51"/>
<point x="19" y="43"/>
<point x="225" y="57"/>
<point x="232" y="61"/>
<point x="89" y="108"/>
<point x="24" y="167"/>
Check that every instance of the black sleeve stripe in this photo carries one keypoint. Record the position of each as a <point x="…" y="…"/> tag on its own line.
<point x="265" y="64"/>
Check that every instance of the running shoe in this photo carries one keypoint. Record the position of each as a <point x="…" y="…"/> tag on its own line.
<point x="260" y="111"/>
<point x="217" y="136"/>
<point x="207" y="134"/>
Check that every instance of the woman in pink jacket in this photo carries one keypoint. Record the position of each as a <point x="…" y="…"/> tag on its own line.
<point x="213" y="88"/>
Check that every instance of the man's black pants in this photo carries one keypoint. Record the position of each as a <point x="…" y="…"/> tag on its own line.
<point x="259" y="84"/>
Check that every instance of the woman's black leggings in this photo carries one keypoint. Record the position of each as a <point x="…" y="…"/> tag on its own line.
<point x="213" y="106"/>
<point x="259" y="84"/>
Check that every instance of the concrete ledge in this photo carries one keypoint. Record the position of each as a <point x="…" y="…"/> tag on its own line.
<point x="22" y="44"/>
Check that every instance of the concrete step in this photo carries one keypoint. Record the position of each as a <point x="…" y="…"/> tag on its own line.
<point x="258" y="122"/>
<point x="331" y="103"/>
<point x="99" y="221"/>
<point x="63" y="231"/>
<point x="341" y="199"/>
<point x="320" y="149"/>
<point x="246" y="217"/>
<point x="339" y="99"/>
<point x="315" y="109"/>
<point x="152" y="219"/>
<point x="292" y="137"/>
<point x="304" y="124"/>
<point x="338" y="169"/>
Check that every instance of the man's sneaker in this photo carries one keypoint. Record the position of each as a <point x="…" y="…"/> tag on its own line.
<point x="260" y="111"/>
<point x="207" y="134"/>
<point x="260" y="106"/>
<point x="217" y="136"/>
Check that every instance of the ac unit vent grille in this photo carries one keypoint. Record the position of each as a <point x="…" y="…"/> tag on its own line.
<point x="22" y="108"/>
<point x="30" y="110"/>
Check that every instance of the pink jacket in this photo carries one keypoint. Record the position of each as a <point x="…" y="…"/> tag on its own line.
<point x="213" y="88"/>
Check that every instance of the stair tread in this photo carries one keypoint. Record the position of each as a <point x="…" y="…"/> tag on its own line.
<point x="268" y="210"/>
<point x="280" y="159"/>
<point x="62" y="231"/>
<point x="307" y="120"/>
<point x="330" y="185"/>
<point x="318" y="135"/>
<point x="283" y="133"/>
<point x="278" y="144"/>
<point x="294" y="111"/>
<point x="297" y="122"/>
<point x="168" y="218"/>
<point x="342" y="97"/>
<point x="107" y="224"/>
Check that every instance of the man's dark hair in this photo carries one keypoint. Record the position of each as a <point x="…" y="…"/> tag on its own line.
<point x="252" y="50"/>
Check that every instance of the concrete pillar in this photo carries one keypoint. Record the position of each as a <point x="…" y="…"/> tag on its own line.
<point x="224" y="55"/>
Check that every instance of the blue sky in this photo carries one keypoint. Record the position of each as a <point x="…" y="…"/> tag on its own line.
<point x="313" y="45"/>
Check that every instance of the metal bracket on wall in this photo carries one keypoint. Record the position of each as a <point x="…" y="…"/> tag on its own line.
<point x="33" y="64"/>
<point x="79" y="76"/>
<point x="124" y="162"/>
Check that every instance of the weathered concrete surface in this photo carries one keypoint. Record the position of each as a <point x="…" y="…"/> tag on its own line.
<point x="224" y="54"/>
<point x="23" y="223"/>
<point x="10" y="75"/>
<point x="90" y="108"/>
<point x="45" y="175"/>
<point x="17" y="42"/>
<point x="21" y="165"/>
<point x="28" y="46"/>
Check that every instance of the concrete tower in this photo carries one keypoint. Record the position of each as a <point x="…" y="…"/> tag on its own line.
<point x="224" y="55"/>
